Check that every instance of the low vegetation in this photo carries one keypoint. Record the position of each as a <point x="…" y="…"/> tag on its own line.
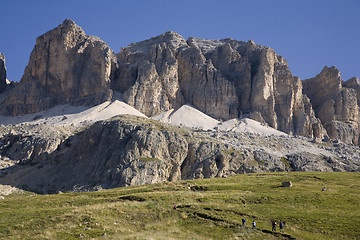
<point x="318" y="206"/>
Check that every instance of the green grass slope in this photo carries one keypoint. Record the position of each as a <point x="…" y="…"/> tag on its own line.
<point x="206" y="209"/>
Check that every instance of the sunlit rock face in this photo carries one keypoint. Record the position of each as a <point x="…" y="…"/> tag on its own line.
<point x="222" y="78"/>
<point x="336" y="103"/>
<point x="65" y="66"/>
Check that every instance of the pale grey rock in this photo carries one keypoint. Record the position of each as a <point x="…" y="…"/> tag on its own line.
<point x="109" y="154"/>
<point x="354" y="84"/>
<point x="65" y="66"/>
<point x="31" y="144"/>
<point x="148" y="74"/>
<point x="222" y="78"/>
<point x="347" y="132"/>
<point x="309" y="162"/>
<point x="205" y="87"/>
<point x="335" y="104"/>
<point x="326" y="85"/>
<point x="2" y="73"/>
<point x="129" y="150"/>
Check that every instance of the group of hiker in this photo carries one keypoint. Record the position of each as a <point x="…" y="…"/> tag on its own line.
<point x="273" y="224"/>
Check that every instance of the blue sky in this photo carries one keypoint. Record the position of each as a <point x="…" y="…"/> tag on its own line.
<point x="309" y="34"/>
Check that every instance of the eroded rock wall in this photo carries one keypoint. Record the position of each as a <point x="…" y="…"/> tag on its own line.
<point x="336" y="104"/>
<point x="222" y="78"/>
<point x="65" y="66"/>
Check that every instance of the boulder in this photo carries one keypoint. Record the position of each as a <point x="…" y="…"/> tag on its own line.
<point x="286" y="184"/>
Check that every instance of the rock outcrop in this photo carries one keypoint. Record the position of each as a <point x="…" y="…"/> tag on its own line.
<point x="130" y="150"/>
<point x="222" y="78"/>
<point x="65" y="66"/>
<point x="336" y="104"/>
<point x="2" y="73"/>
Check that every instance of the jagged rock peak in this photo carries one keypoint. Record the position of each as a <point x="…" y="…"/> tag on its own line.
<point x="335" y="103"/>
<point x="325" y="85"/>
<point x="352" y="82"/>
<point x="209" y="45"/>
<point x="67" y="32"/>
<point x="172" y="40"/>
<point x="205" y="45"/>
<point x="68" y="22"/>
<point x="65" y="66"/>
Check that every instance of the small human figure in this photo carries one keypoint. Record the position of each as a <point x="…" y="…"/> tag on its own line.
<point x="281" y="227"/>
<point x="243" y="222"/>
<point x="273" y="223"/>
<point x="254" y="224"/>
<point x="174" y="206"/>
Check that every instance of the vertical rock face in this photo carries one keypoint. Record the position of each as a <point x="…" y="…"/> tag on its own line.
<point x="148" y="75"/>
<point x="354" y="84"/>
<point x="2" y="73"/>
<point x="66" y="65"/>
<point x="335" y="103"/>
<point x="222" y="78"/>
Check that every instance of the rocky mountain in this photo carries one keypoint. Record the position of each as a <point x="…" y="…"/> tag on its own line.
<point x="222" y="78"/>
<point x="219" y="83"/>
<point x="65" y="66"/>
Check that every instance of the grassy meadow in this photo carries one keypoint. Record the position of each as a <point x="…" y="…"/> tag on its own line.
<point x="206" y="209"/>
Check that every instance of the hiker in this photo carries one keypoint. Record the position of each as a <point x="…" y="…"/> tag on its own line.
<point x="243" y="222"/>
<point x="174" y="206"/>
<point x="254" y="224"/>
<point x="281" y="227"/>
<point x="273" y="223"/>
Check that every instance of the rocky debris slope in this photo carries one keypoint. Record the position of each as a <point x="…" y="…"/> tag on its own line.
<point x="2" y="73"/>
<point x="336" y="104"/>
<point x="65" y="66"/>
<point x="131" y="150"/>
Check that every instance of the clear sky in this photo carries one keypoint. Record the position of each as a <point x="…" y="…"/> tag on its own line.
<point x="310" y="34"/>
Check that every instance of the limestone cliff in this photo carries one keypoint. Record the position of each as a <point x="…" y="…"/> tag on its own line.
<point x="222" y="78"/>
<point x="335" y="103"/>
<point x="65" y="66"/>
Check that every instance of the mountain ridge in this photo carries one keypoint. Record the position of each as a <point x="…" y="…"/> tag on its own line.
<point x="228" y="100"/>
<point x="224" y="79"/>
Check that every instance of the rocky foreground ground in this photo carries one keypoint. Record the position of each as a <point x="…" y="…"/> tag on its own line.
<point x="131" y="150"/>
